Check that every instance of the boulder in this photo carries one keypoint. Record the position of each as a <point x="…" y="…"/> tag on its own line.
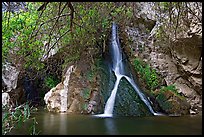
<point x="171" y="103"/>
<point x="9" y="76"/>
<point x="57" y="98"/>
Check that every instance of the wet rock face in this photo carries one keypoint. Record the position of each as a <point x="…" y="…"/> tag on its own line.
<point x="128" y="102"/>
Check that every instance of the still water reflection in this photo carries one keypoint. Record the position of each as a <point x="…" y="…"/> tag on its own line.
<point x="64" y="124"/>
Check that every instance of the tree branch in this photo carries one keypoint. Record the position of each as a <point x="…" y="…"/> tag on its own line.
<point x="59" y="13"/>
<point x="36" y="25"/>
<point x="56" y="42"/>
<point x="42" y="7"/>
<point x="177" y="21"/>
<point x="72" y="14"/>
<point x="193" y="13"/>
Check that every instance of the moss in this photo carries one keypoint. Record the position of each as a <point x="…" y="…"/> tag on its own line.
<point x="127" y="102"/>
<point x="70" y="59"/>
<point x="90" y="75"/>
<point x="84" y="107"/>
<point x="163" y="102"/>
<point x="86" y="93"/>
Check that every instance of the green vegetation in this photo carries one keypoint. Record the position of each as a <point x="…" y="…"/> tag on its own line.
<point x="162" y="94"/>
<point x="17" y="40"/>
<point x="95" y="68"/>
<point x="73" y="28"/>
<point x="171" y="88"/>
<point x="95" y="19"/>
<point x="33" y="130"/>
<point x="149" y="75"/>
<point x="16" y="118"/>
<point x="90" y="75"/>
<point x="24" y="32"/>
<point x="84" y="106"/>
<point x="128" y="102"/>
<point x="72" y="59"/>
<point x="161" y="98"/>
<point x="86" y="93"/>
<point x="51" y="81"/>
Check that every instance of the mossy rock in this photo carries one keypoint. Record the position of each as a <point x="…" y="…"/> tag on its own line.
<point x="171" y="103"/>
<point x="128" y="102"/>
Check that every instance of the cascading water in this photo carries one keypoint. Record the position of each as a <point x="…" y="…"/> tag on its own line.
<point x="118" y="69"/>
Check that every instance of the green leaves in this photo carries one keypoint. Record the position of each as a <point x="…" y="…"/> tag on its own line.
<point x="51" y="81"/>
<point x="26" y="111"/>
<point x="117" y="11"/>
<point x="86" y="93"/>
<point x="23" y="33"/>
<point x="16" y="31"/>
<point x="16" y="118"/>
<point x="129" y="12"/>
<point x="149" y="75"/>
<point x="173" y="89"/>
<point x="33" y="130"/>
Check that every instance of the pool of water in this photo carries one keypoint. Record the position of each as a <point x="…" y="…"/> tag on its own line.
<point x="64" y="124"/>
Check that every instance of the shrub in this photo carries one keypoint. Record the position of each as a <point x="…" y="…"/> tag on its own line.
<point x="171" y="88"/>
<point x="51" y="81"/>
<point x="148" y="75"/>
<point x="16" y="118"/>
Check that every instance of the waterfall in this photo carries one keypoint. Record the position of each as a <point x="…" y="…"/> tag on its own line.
<point x="118" y="69"/>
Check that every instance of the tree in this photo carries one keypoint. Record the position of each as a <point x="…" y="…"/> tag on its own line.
<point x="32" y="35"/>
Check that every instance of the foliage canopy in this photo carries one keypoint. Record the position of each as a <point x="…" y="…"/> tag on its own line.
<point x="32" y="35"/>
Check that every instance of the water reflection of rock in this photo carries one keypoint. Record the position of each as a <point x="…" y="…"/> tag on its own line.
<point x="63" y="124"/>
